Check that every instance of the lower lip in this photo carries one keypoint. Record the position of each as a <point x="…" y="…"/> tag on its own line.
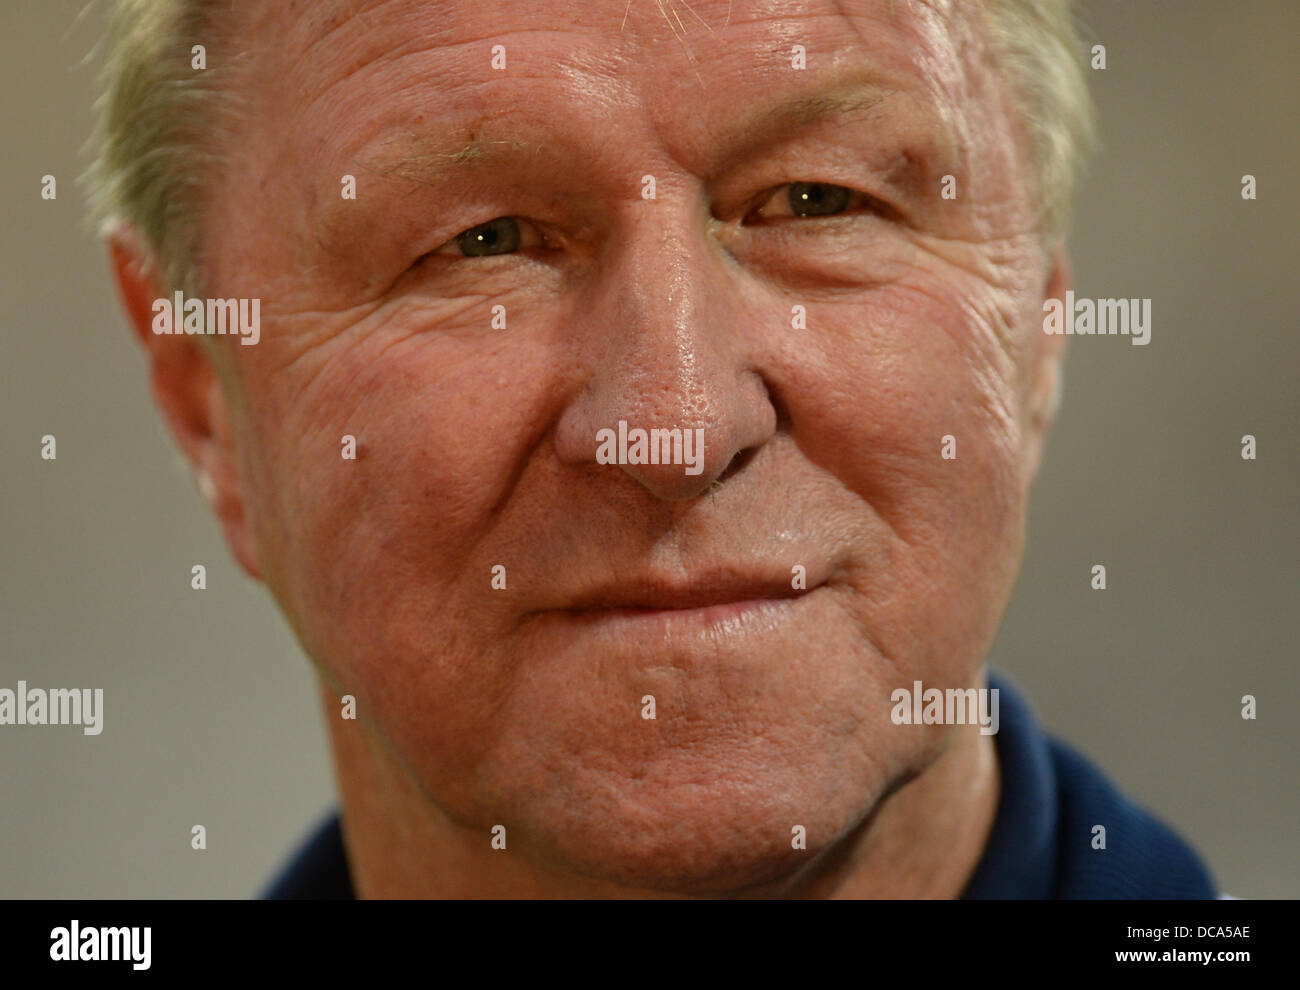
<point x="737" y="616"/>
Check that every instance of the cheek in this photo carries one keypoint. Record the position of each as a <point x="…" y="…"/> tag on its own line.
<point x="378" y="559"/>
<point x="909" y="397"/>
<point x="367" y="428"/>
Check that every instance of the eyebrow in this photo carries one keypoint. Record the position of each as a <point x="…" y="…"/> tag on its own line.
<point x="465" y="150"/>
<point x="448" y="155"/>
<point x="801" y="112"/>
<point x="457" y="155"/>
<point x="850" y="103"/>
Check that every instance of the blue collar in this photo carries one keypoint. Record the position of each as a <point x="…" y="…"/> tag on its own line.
<point x="1043" y="838"/>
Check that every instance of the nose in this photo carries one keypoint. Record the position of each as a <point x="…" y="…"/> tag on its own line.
<point x="672" y="397"/>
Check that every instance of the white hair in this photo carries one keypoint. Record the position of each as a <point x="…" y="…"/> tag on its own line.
<point x="1043" y="60"/>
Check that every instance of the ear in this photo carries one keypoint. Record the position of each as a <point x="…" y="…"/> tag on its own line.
<point x="188" y="392"/>
<point x="1046" y="375"/>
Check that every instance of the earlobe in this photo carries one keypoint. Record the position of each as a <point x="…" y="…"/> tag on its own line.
<point x="188" y="393"/>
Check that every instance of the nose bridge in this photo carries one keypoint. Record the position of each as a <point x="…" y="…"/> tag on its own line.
<point x="663" y="337"/>
<point x="665" y="358"/>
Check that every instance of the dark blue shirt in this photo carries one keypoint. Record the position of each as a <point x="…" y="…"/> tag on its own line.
<point x="1041" y="845"/>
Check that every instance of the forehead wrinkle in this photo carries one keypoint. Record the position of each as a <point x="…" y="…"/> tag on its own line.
<point x="944" y="79"/>
<point x="328" y="15"/>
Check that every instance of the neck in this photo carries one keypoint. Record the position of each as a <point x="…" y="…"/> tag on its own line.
<point x="923" y="840"/>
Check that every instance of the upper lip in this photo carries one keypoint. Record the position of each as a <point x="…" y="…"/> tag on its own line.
<point x="700" y="592"/>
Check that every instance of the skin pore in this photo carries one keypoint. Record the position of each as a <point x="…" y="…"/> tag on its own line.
<point x="521" y="706"/>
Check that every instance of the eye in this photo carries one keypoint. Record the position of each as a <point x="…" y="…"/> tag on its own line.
<point x="504" y="235"/>
<point x="810" y="199"/>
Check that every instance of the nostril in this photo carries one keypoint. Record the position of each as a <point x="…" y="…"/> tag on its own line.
<point x="737" y="463"/>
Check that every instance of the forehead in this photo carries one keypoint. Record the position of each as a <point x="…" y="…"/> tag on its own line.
<point x="686" y="72"/>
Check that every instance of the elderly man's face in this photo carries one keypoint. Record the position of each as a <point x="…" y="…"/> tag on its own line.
<point x="476" y="441"/>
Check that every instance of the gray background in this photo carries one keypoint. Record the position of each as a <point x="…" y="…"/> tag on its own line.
<point x="210" y="710"/>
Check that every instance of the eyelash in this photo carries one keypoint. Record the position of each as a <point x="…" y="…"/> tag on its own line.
<point x="864" y="203"/>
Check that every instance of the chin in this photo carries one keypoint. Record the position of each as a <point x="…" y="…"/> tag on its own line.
<point x="671" y="830"/>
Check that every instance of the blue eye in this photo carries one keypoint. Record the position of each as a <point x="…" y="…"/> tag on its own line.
<point x="504" y="235"/>
<point x="499" y="236"/>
